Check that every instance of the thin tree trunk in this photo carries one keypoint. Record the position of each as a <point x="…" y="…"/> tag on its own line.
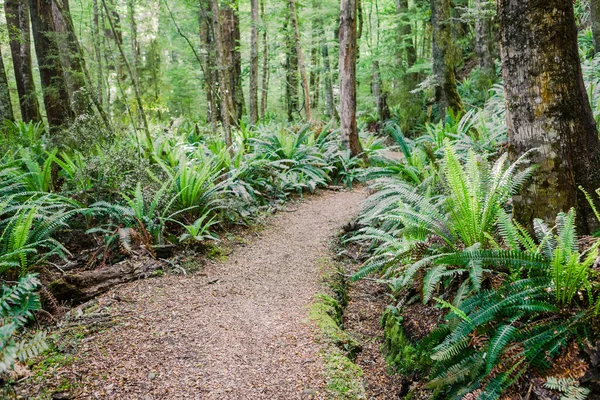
<point x="265" y="74"/>
<point x="347" y="63"/>
<point x="291" y="68"/>
<point x="6" y="111"/>
<point x="380" y="96"/>
<point x="406" y="53"/>
<point x="549" y="109"/>
<point x="254" y="63"/>
<point x="96" y="37"/>
<point x="301" y="64"/>
<point x="17" y="19"/>
<point x="331" y="110"/>
<point x="224" y="78"/>
<point x="483" y="37"/>
<point x="54" y="86"/>
<point x="315" y="53"/>
<point x="595" y="16"/>
<point x="444" y="58"/>
<point x="208" y="58"/>
<point x="135" y="45"/>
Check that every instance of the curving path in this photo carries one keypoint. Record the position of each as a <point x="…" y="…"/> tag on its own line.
<point x="236" y="331"/>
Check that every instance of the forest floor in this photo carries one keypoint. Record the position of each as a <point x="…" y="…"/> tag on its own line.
<point x="238" y="329"/>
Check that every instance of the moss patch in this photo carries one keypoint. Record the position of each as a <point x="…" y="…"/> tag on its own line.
<point x="344" y="378"/>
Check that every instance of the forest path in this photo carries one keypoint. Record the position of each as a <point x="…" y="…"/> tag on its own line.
<point x="238" y="330"/>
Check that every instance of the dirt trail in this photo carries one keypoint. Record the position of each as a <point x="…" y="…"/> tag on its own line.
<point x="244" y="336"/>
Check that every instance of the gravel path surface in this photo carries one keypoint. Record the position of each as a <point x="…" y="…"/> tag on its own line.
<point x="237" y="331"/>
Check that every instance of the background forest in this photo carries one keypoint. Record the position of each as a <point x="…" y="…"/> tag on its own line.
<point x="137" y="131"/>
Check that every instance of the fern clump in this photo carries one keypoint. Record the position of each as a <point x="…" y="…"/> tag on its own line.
<point x="17" y="304"/>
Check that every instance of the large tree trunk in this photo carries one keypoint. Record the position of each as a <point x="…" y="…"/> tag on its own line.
<point x="54" y="86"/>
<point x="265" y="72"/>
<point x="483" y="37"/>
<point x="595" y="16"/>
<point x="231" y="41"/>
<point x="17" y="19"/>
<point x="301" y="63"/>
<point x="548" y="109"/>
<point x="71" y="57"/>
<point x="6" y="111"/>
<point x="223" y="60"/>
<point x="444" y="58"/>
<point x="347" y="64"/>
<point x="254" y="63"/>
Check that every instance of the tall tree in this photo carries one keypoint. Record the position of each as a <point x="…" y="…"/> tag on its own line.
<point x="291" y="70"/>
<point x="265" y="69"/>
<point x="347" y="65"/>
<point x="405" y="47"/>
<point x="230" y="24"/>
<point x="444" y="58"/>
<point x="254" y="63"/>
<point x="595" y="16"/>
<point x="17" y="19"/>
<point x="223" y="59"/>
<point x="210" y="73"/>
<point x="299" y="54"/>
<point x="548" y="108"/>
<point x="6" y="111"/>
<point x="54" y="86"/>
<point x="483" y="37"/>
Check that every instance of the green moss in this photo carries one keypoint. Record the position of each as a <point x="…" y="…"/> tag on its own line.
<point x="326" y="312"/>
<point x="344" y="378"/>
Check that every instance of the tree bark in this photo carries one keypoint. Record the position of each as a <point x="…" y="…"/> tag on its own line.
<point x="231" y="41"/>
<point x="291" y="74"/>
<point x="328" y="84"/>
<point x="595" y="17"/>
<point x="405" y="32"/>
<point x="254" y="63"/>
<point x="6" y="111"/>
<point x="347" y="65"/>
<point x="224" y="78"/>
<point x="444" y="58"/>
<point x="96" y="37"/>
<point x="211" y="78"/>
<point x="380" y="96"/>
<point x="483" y="37"/>
<point x="135" y="45"/>
<point x="265" y="72"/>
<point x="548" y="109"/>
<point x="301" y="63"/>
<point x="54" y="86"/>
<point x="17" y="19"/>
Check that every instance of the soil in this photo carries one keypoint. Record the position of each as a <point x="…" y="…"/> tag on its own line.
<point x="236" y="330"/>
<point x="367" y="301"/>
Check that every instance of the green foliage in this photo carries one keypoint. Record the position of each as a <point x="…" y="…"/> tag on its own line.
<point x="17" y="304"/>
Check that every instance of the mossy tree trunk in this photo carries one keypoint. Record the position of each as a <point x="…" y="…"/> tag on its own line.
<point x="548" y="109"/>
<point x="444" y="58"/>
<point x="17" y="19"/>
<point x="291" y="70"/>
<point x="484" y="44"/>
